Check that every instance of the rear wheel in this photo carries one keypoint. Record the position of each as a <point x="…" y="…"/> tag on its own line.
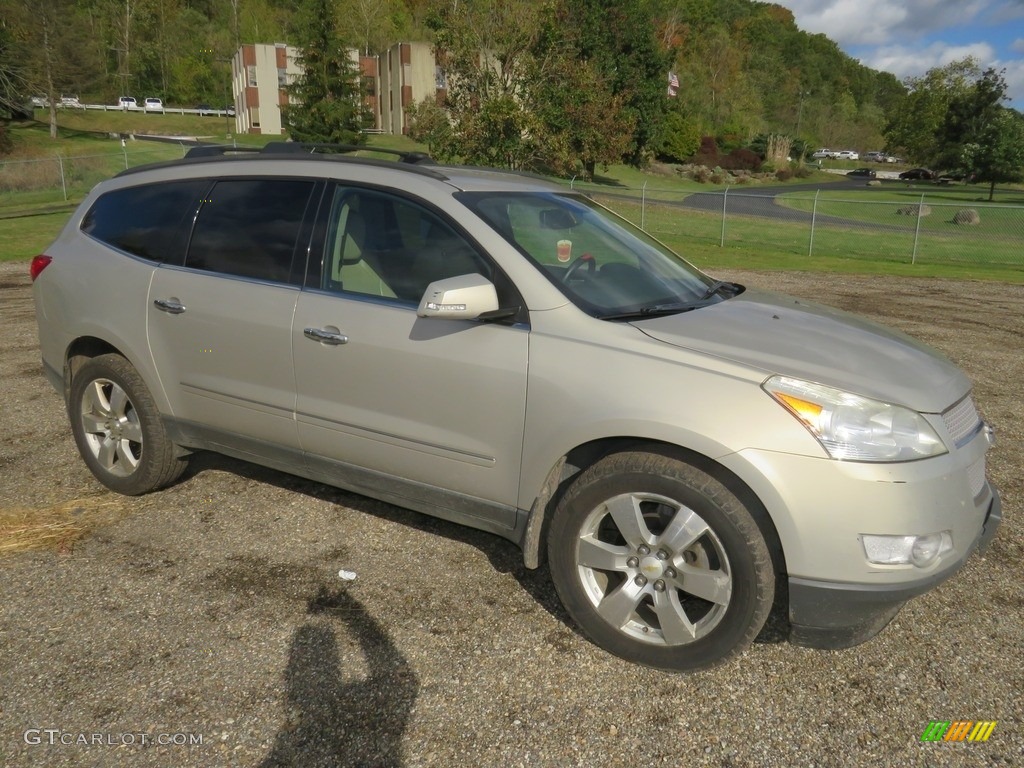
<point x="659" y="563"/>
<point x="118" y="429"/>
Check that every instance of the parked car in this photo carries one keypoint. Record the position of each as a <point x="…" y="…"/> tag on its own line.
<point x="847" y="154"/>
<point x="39" y="101"/>
<point x="127" y="102"/>
<point x="862" y="172"/>
<point x="204" y="109"/>
<point x="918" y="174"/>
<point x="823" y="154"/>
<point x="70" y="102"/>
<point x="152" y="104"/>
<point x="686" y="444"/>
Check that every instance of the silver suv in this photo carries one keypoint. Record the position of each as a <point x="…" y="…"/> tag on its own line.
<point x="498" y="351"/>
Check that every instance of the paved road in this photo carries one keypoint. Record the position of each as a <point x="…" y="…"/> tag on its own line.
<point x="760" y="201"/>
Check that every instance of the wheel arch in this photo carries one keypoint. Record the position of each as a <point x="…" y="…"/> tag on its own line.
<point x="79" y="351"/>
<point x="87" y="347"/>
<point x="581" y="457"/>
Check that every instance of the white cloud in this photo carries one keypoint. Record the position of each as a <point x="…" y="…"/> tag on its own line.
<point x="1018" y="45"/>
<point x="1014" y="80"/>
<point x="905" y="61"/>
<point x="878" y="22"/>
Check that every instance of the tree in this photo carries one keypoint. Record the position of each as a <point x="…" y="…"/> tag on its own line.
<point x="582" y="124"/>
<point x="981" y="138"/>
<point x="53" y="56"/>
<point x="620" y="38"/>
<point x="328" y="99"/>
<point x="998" y="154"/>
<point x="913" y="126"/>
<point x="483" y="50"/>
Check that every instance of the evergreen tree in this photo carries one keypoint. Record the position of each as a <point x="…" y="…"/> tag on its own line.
<point x="328" y="96"/>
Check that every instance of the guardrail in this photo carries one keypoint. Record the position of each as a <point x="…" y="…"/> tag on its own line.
<point x="142" y="110"/>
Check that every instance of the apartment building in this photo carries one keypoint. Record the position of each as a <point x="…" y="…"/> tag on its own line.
<point x="395" y="80"/>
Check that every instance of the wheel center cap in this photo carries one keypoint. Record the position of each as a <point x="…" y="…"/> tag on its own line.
<point x="652" y="567"/>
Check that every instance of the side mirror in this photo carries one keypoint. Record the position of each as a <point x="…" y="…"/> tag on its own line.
<point x="464" y="297"/>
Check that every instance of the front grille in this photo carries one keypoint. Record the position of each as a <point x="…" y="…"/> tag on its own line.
<point x="962" y="421"/>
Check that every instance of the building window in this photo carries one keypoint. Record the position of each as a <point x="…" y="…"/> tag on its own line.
<point x="251" y="73"/>
<point x="282" y="77"/>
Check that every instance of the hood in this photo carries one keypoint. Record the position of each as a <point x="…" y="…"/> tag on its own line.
<point x="794" y="337"/>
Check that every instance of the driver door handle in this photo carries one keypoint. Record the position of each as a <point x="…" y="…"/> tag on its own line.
<point x="172" y="305"/>
<point x="325" y="337"/>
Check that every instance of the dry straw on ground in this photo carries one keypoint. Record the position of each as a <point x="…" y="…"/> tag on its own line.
<point x="57" y="527"/>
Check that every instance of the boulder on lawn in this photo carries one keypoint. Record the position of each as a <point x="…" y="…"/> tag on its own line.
<point x="914" y="210"/>
<point x="967" y="216"/>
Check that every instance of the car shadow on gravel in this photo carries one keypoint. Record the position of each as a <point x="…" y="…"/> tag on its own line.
<point x="504" y="556"/>
<point x="334" y="719"/>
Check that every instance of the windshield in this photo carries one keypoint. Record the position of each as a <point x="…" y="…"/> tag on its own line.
<point x="602" y="263"/>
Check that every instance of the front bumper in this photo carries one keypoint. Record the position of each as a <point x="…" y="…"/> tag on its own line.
<point x="831" y="615"/>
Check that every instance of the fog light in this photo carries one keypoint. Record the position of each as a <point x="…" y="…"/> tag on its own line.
<point x="927" y="548"/>
<point x="920" y="551"/>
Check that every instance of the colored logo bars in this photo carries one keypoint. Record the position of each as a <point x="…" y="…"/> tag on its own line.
<point x="958" y="730"/>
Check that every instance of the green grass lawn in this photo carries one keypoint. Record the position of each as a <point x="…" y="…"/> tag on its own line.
<point x="756" y="243"/>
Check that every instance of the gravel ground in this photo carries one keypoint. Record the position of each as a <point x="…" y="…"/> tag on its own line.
<point x="213" y="611"/>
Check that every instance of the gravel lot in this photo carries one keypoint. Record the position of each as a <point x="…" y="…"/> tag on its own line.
<point x="214" y="610"/>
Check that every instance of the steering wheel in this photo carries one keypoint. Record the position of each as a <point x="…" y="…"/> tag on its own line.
<point x="584" y="260"/>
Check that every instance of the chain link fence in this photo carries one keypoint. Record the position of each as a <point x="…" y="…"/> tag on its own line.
<point x="893" y="223"/>
<point x="946" y="226"/>
<point x="61" y="179"/>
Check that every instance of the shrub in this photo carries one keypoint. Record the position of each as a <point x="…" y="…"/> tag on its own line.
<point x="679" y="138"/>
<point x="701" y="173"/>
<point x="707" y="155"/>
<point x="802" y="172"/>
<point x="783" y="174"/>
<point x="742" y="160"/>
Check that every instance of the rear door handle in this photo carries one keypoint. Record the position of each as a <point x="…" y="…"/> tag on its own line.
<point x="326" y="337"/>
<point x="172" y="305"/>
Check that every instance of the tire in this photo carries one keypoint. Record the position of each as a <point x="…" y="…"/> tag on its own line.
<point x="659" y="563"/>
<point x="118" y="428"/>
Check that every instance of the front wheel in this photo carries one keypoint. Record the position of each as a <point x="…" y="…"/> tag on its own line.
<point x="118" y="430"/>
<point x="659" y="563"/>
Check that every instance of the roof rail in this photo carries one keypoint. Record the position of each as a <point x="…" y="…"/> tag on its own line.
<point x="217" y="150"/>
<point x="312" y="148"/>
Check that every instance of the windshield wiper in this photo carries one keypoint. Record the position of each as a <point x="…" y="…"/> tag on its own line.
<point x="654" y="310"/>
<point x="715" y="287"/>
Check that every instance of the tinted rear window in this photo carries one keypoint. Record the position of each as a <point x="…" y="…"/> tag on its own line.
<point x="249" y="228"/>
<point x="150" y="221"/>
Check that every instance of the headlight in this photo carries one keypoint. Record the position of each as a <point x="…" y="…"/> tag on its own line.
<point x="855" y="428"/>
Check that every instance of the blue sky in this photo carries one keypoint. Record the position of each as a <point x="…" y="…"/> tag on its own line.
<point x="909" y="37"/>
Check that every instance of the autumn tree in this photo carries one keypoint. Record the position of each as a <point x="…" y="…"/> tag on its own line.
<point x="620" y="40"/>
<point x="582" y="121"/>
<point x="328" y="100"/>
<point x="483" y="50"/>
